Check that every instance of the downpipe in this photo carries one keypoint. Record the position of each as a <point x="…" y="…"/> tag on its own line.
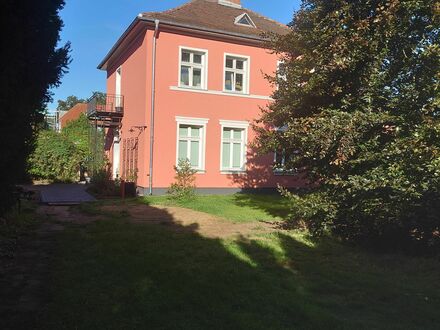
<point x="153" y="96"/>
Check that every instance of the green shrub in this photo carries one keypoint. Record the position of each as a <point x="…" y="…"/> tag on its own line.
<point x="184" y="187"/>
<point x="55" y="158"/>
<point x="104" y="185"/>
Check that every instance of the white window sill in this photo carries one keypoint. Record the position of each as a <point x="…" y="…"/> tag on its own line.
<point x="217" y="92"/>
<point x="284" y="173"/>
<point x="235" y="93"/>
<point x="190" y="88"/>
<point x="232" y="172"/>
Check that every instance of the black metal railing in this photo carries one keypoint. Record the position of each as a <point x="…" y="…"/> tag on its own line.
<point x="105" y="103"/>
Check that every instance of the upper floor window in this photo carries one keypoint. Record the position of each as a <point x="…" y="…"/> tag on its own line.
<point x="192" y="72"/>
<point x="236" y="74"/>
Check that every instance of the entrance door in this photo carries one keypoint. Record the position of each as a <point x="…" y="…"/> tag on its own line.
<point x="116" y="156"/>
<point x="118" y="102"/>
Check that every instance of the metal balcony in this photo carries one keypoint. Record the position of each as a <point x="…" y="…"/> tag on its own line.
<point x="103" y="107"/>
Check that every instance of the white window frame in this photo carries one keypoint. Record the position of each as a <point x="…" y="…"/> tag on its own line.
<point x="203" y="67"/>
<point x="189" y="121"/>
<point x="239" y="17"/>
<point x="282" y="170"/>
<point x="278" y="76"/>
<point x="243" y="125"/>
<point x="245" y="72"/>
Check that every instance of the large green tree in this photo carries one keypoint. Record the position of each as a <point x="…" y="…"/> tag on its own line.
<point x="358" y="101"/>
<point x="69" y="102"/>
<point x="30" y="64"/>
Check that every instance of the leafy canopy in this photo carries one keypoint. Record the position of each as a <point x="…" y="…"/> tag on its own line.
<point x="358" y="96"/>
<point x="31" y="64"/>
<point x="69" y="103"/>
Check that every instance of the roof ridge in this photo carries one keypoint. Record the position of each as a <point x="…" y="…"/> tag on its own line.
<point x="171" y="10"/>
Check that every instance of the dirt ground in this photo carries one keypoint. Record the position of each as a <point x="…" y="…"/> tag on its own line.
<point x="183" y="219"/>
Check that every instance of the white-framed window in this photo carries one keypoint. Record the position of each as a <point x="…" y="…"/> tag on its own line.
<point x="193" y="68"/>
<point x="281" y="71"/>
<point x="236" y="77"/>
<point x="282" y="157"/>
<point x="191" y="141"/>
<point x="233" y="145"/>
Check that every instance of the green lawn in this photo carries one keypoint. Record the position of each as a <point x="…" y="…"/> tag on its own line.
<point x="236" y="208"/>
<point x="116" y="275"/>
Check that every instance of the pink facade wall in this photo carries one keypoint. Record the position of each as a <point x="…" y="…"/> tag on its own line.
<point x="136" y="88"/>
<point x="134" y="85"/>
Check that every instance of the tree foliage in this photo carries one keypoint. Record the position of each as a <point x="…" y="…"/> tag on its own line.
<point x="69" y="103"/>
<point x="30" y="64"/>
<point x="358" y="97"/>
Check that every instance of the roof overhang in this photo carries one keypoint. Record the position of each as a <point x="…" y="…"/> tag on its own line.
<point x="141" y="23"/>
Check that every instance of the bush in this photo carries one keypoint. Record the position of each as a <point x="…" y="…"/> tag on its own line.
<point x="55" y="158"/>
<point x="103" y="185"/>
<point x="184" y="187"/>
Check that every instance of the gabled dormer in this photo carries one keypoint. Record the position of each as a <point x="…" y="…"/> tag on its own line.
<point x="244" y="20"/>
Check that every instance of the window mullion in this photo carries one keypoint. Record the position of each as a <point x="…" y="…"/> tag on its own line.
<point x="231" y="155"/>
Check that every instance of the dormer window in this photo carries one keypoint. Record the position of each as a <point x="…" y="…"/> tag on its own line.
<point x="244" y="20"/>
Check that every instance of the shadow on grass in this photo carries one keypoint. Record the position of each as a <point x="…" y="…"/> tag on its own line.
<point x="117" y="275"/>
<point x="273" y="204"/>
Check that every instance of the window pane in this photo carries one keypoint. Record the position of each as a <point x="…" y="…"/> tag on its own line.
<point x="185" y="57"/>
<point x="183" y="147"/>
<point x="279" y="158"/>
<point x="226" y="133"/>
<point x="197" y="58"/>
<point x="237" y="134"/>
<point x="229" y="76"/>
<point x="184" y="75"/>
<point x="239" y="82"/>
<point x="240" y="64"/>
<point x="195" y="131"/>
<point x="229" y="63"/>
<point x="236" y="155"/>
<point x="226" y="155"/>
<point x="197" y="77"/>
<point x="194" y="153"/>
<point x="183" y="131"/>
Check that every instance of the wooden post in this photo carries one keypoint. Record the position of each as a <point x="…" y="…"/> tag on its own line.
<point x="123" y="189"/>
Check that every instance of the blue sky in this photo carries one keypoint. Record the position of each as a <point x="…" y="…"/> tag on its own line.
<point x="93" y="26"/>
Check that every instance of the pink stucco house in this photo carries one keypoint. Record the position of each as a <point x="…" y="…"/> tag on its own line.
<point x="187" y="83"/>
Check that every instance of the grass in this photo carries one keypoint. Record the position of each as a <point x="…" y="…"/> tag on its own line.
<point x="117" y="275"/>
<point x="14" y="224"/>
<point x="236" y="208"/>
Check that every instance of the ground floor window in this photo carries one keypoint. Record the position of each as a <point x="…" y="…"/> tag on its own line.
<point x="281" y="159"/>
<point x="233" y="146"/>
<point x="191" y="141"/>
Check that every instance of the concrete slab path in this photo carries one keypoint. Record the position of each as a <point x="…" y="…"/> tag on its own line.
<point x="64" y="194"/>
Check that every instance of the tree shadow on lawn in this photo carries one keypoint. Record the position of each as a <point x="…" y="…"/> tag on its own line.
<point x="271" y="203"/>
<point x="118" y="275"/>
